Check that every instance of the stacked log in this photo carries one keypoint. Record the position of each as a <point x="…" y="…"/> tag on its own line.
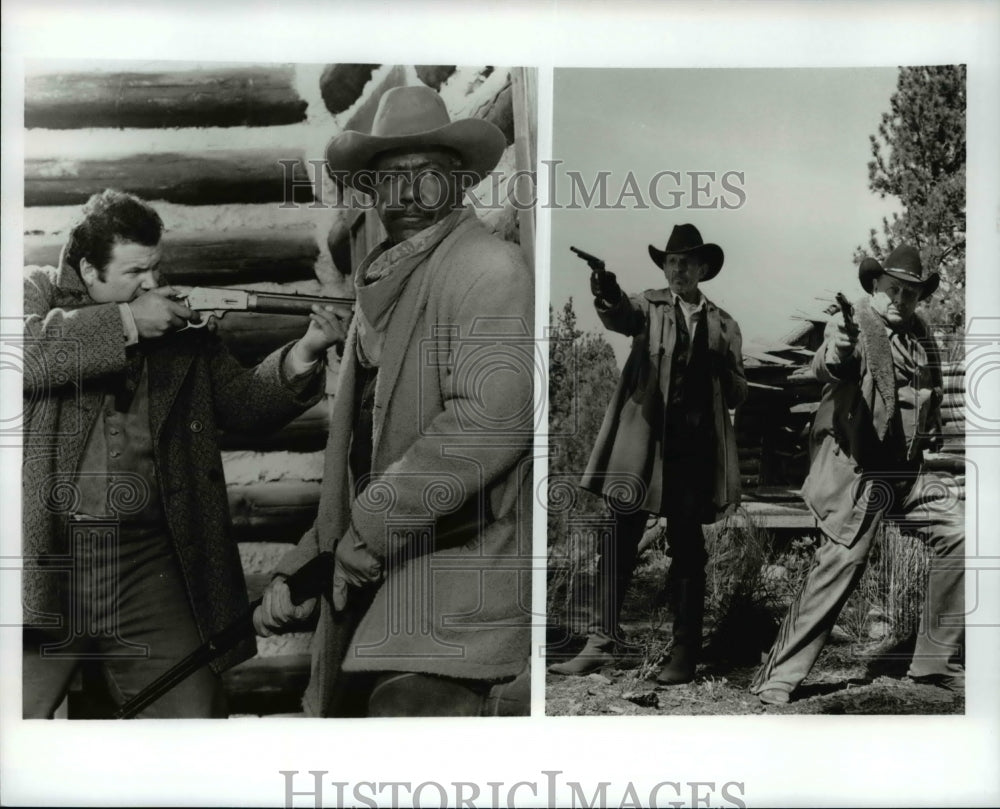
<point x="263" y="96"/>
<point x="192" y="178"/>
<point x="953" y="410"/>
<point x="210" y="258"/>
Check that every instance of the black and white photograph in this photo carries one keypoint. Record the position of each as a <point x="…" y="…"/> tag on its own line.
<point x="758" y="300"/>
<point x="276" y="436"/>
<point x="504" y="404"/>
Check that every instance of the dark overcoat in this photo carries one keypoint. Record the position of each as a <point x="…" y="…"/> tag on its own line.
<point x="72" y="347"/>
<point x="627" y="460"/>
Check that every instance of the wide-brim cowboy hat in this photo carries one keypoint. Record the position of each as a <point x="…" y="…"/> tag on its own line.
<point x="687" y="239"/>
<point x="415" y="118"/>
<point x="904" y="264"/>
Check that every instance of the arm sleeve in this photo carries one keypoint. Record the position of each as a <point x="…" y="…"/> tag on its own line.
<point x="128" y="322"/>
<point x="306" y="549"/>
<point x="262" y="397"/>
<point x="67" y="346"/>
<point x="734" y="380"/>
<point x="627" y="316"/>
<point x="827" y="371"/>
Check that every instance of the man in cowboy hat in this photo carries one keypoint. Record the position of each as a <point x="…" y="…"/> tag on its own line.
<point x="880" y="409"/>
<point x="666" y="446"/>
<point x="426" y="500"/>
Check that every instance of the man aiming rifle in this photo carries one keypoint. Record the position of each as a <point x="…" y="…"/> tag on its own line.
<point x="122" y="472"/>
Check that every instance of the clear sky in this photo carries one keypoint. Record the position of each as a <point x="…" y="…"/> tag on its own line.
<point x="800" y="138"/>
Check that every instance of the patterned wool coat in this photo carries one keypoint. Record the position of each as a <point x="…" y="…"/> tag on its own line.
<point x="72" y="346"/>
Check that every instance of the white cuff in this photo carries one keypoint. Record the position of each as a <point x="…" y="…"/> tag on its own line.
<point x="296" y="368"/>
<point x="129" y="329"/>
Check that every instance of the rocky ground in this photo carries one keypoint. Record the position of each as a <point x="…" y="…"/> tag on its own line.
<point x="841" y="683"/>
<point x="852" y="676"/>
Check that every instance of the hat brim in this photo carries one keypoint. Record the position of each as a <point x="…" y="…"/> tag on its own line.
<point x="928" y="285"/>
<point x="479" y="143"/>
<point x="712" y="253"/>
<point x="868" y="275"/>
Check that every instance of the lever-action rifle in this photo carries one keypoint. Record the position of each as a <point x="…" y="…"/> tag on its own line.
<point x="217" y="302"/>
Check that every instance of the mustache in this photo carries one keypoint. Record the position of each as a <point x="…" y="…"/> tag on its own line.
<point x="409" y="210"/>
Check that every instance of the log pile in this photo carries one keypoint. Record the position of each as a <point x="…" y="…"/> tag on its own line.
<point x="253" y="96"/>
<point x="233" y="219"/>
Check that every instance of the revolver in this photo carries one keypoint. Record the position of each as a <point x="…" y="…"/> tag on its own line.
<point x="846" y="310"/>
<point x="216" y="301"/>
<point x="596" y="264"/>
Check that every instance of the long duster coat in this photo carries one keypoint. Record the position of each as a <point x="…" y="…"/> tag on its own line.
<point x="627" y="462"/>
<point x="72" y="348"/>
<point x="453" y="423"/>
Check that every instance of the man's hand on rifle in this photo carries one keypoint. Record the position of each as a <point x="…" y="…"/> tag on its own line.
<point x="277" y="611"/>
<point x="327" y="327"/>
<point x="157" y="314"/>
<point x="355" y="566"/>
<point x="604" y="285"/>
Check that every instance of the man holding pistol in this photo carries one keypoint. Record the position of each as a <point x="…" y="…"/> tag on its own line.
<point x="122" y="473"/>
<point x="880" y="410"/>
<point x="666" y="446"/>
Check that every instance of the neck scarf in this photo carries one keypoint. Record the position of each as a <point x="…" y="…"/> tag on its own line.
<point x="381" y="278"/>
<point x="903" y="373"/>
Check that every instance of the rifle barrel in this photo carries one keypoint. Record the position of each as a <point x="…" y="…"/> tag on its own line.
<point x="275" y="303"/>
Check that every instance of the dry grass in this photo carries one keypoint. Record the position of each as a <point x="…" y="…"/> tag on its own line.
<point x="749" y="587"/>
<point x="890" y="595"/>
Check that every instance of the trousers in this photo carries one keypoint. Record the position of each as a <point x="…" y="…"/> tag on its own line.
<point x="618" y="551"/>
<point x="129" y="612"/>
<point x="413" y="694"/>
<point x="923" y="510"/>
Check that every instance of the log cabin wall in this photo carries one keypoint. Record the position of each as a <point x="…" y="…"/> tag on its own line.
<point x="203" y="144"/>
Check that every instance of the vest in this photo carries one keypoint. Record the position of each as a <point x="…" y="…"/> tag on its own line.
<point x="117" y="473"/>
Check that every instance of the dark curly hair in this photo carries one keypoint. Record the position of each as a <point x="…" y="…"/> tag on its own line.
<point x="108" y="217"/>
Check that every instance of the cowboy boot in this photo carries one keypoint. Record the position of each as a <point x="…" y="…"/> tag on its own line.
<point x="598" y="653"/>
<point x="688" y="597"/>
<point x="614" y="572"/>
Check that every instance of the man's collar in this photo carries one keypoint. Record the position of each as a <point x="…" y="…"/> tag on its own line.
<point x="69" y="277"/>
<point x="691" y="307"/>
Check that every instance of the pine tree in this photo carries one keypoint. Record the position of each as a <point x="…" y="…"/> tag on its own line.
<point x="583" y="375"/>
<point x="919" y="158"/>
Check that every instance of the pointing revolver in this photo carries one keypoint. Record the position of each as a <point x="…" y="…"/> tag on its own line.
<point x="596" y="264"/>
